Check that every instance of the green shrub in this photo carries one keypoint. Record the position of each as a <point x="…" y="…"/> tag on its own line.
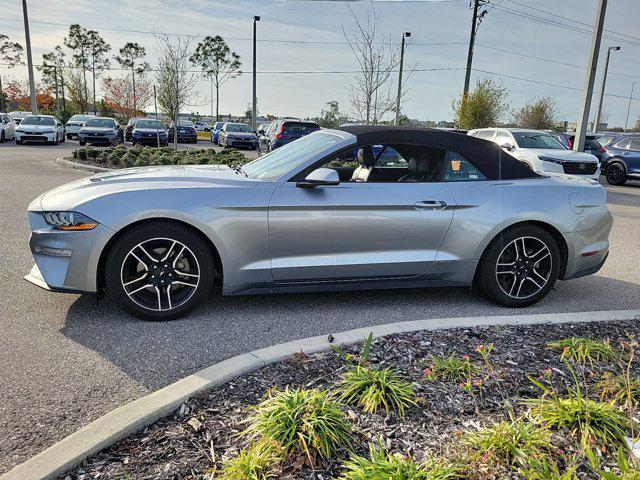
<point x="450" y="369"/>
<point x="510" y="441"/>
<point x="258" y="462"/>
<point x="584" y="350"/>
<point x="307" y="421"/>
<point x="373" y="388"/>
<point x="383" y="466"/>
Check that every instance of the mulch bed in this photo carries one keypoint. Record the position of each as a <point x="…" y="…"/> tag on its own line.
<point x="207" y="429"/>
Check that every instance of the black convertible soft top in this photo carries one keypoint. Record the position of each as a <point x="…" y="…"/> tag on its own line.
<point x="487" y="156"/>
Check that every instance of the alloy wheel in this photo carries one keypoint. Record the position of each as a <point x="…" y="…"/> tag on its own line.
<point x="524" y="267"/>
<point x="160" y="274"/>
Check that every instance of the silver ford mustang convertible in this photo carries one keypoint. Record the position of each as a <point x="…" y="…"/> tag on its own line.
<point x="354" y="208"/>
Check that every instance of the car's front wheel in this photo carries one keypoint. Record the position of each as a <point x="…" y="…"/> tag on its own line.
<point x="159" y="271"/>
<point x="616" y="174"/>
<point x="520" y="266"/>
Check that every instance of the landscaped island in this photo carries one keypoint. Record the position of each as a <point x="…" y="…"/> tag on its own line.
<point x="552" y="402"/>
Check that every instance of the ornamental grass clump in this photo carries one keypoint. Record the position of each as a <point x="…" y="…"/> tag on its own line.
<point x="258" y="462"/>
<point x="383" y="466"/>
<point x="593" y="421"/>
<point x="375" y="388"/>
<point x="301" y="421"/>
<point x="584" y="350"/>
<point x="622" y="389"/>
<point x="450" y="369"/>
<point x="546" y="469"/>
<point x="508" y="442"/>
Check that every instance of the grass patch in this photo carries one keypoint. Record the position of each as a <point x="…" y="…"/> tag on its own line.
<point x="307" y="421"/>
<point x="510" y="441"/>
<point x="546" y="469"/>
<point x="450" y="369"/>
<point x="584" y="350"/>
<point x="374" y="388"/>
<point x="383" y="466"/>
<point x="620" y="389"/>
<point x="139" y="156"/>
<point x="258" y="462"/>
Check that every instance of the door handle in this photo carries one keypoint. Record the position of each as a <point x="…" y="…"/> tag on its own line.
<point x="430" y="205"/>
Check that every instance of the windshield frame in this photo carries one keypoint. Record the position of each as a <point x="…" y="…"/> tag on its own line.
<point x="538" y="134"/>
<point x="344" y="140"/>
<point x="244" y="128"/>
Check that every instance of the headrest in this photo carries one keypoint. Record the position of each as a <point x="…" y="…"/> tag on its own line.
<point x="366" y="158"/>
<point x="418" y="166"/>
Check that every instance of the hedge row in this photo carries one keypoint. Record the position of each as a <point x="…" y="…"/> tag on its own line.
<point x="139" y="156"/>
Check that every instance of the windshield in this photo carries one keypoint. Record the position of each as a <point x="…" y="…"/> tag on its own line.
<point x="100" y="122"/>
<point x="218" y="125"/>
<point x="604" y="140"/>
<point x="149" y="124"/>
<point x="185" y="123"/>
<point x="238" y="127"/>
<point x="537" y="140"/>
<point x="36" y="120"/>
<point x="275" y="164"/>
<point x="79" y="118"/>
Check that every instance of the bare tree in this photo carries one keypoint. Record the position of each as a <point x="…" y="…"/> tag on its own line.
<point x="372" y="93"/>
<point x="176" y="82"/>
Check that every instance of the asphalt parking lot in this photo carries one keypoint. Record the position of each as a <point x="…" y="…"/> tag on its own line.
<point x="68" y="359"/>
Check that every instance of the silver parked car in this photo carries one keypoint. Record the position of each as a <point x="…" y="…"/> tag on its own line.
<point x="354" y="208"/>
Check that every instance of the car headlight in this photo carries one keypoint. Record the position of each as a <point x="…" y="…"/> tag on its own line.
<point x="69" y="220"/>
<point x="544" y="158"/>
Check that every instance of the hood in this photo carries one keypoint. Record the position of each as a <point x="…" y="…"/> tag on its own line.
<point x="71" y="195"/>
<point x="241" y="135"/>
<point x="97" y="130"/>
<point x="36" y="128"/>
<point x="564" y="155"/>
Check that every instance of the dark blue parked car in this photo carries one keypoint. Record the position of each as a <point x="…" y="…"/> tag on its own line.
<point x="621" y="160"/>
<point x="283" y="131"/>
<point x="215" y="132"/>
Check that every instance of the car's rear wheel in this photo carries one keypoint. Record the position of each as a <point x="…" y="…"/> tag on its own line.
<point x="616" y="174"/>
<point x="2" y="136"/>
<point x="159" y="271"/>
<point x="520" y="266"/>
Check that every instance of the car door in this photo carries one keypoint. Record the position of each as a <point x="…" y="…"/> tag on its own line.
<point x="632" y="157"/>
<point x="357" y="230"/>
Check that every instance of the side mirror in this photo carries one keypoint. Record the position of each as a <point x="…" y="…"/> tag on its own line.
<point x="261" y="132"/>
<point x="320" y="177"/>
<point x="507" y="146"/>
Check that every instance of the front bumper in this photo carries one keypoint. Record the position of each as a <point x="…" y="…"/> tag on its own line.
<point x="238" y="143"/>
<point x="588" y="170"/>
<point x="102" y="139"/>
<point x="65" y="261"/>
<point x="152" y="141"/>
<point x="35" y="137"/>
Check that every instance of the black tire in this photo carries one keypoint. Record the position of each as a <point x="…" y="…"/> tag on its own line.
<point x="154" y="230"/>
<point x="62" y="140"/>
<point x="2" y="136"/>
<point x="69" y="136"/>
<point x="616" y="174"/>
<point x="487" y="277"/>
<point x="82" y="144"/>
<point x="19" y="142"/>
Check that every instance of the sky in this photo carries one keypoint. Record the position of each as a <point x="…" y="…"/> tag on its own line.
<point x="511" y="34"/>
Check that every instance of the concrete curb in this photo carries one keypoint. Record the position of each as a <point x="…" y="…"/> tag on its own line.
<point x="127" y="419"/>
<point x="81" y="166"/>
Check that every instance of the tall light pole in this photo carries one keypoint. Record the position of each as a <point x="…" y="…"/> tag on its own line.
<point x="604" y="83"/>
<point x="629" y="107"/>
<point x="404" y="35"/>
<point x="256" y="19"/>
<point x="27" y="38"/>
<point x="578" y="144"/>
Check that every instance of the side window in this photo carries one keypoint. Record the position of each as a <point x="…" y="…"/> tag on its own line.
<point x="502" y="138"/>
<point x="459" y="169"/>
<point x="635" y="144"/>
<point x="406" y="163"/>
<point x="624" y="144"/>
<point x="485" y="134"/>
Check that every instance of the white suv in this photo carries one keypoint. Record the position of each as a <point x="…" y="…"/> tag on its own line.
<point x="7" y="127"/>
<point x="541" y="152"/>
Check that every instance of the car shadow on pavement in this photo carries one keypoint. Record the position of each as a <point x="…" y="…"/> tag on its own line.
<point x="155" y="354"/>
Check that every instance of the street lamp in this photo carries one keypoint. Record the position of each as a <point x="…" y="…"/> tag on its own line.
<point x="256" y="19"/>
<point x="629" y="107"/>
<point x="404" y="35"/>
<point x="604" y="82"/>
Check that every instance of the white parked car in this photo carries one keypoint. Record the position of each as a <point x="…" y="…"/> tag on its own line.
<point x="7" y="127"/>
<point x="40" y="128"/>
<point x="75" y="123"/>
<point x="541" y="151"/>
<point x="202" y="126"/>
